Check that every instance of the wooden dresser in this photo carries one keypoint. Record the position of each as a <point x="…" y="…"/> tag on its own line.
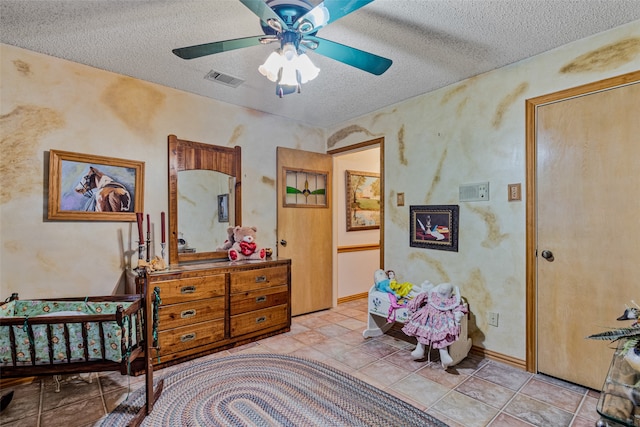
<point x="212" y="306"/>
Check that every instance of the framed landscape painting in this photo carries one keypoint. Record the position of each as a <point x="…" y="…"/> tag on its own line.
<point x="362" y="200"/>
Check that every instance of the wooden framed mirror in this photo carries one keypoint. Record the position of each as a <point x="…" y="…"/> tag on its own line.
<point x="204" y="180"/>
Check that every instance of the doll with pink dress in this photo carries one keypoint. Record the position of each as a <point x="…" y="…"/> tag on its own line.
<point x="434" y="320"/>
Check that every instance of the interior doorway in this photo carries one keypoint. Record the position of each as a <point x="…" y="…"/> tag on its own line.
<point x="304" y="223"/>
<point x="582" y="233"/>
<point x="357" y="252"/>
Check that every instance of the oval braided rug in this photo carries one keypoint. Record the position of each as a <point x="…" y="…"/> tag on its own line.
<point x="269" y="390"/>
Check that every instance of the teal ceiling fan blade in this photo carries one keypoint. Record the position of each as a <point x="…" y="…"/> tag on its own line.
<point x="197" y="51"/>
<point x="264" y="12"/>
<point x="330" y="11"/>
<point x="365" y="61"/>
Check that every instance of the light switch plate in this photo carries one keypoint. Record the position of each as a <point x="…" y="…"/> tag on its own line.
<point x="400" y="199"/>
<point x="515" y="192"/>
<point x="492" y="318"/>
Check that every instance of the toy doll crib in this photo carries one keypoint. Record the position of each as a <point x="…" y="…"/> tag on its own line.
<point x="78" y="335"/>
<point x="382" y="315"/>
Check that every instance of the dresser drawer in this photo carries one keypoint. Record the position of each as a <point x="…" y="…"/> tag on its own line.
<point x="259" y="319"/>
<point x="186" y="313"/>
<point x="191" y="288"/>
<point x="186" y="337"/>
<point x="244" y="281"/>
<point x="258" y="299"/>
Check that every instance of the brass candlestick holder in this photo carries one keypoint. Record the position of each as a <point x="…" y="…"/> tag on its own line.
<point x="137" y="268"/>
<point x="140" y="250"/>
<point x="148" y="246"/>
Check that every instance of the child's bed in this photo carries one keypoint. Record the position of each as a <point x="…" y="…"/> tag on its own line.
<point x="73" y="335"/>
<point x="383" y="313"/>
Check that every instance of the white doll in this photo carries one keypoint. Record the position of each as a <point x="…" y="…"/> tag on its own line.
<point x="434" y="320"/>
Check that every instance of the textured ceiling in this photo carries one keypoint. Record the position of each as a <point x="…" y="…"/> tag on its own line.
<point x="433" y="43"/>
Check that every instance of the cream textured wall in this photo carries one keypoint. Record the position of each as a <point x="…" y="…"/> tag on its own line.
<point x="471" y="132"/>
<point x="49" y="103"/>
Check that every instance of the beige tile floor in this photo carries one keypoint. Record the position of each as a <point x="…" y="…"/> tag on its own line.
<point x="476" y="392"/>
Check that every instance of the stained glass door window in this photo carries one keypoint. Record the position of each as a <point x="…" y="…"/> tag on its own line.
<point x="305" y="188"/>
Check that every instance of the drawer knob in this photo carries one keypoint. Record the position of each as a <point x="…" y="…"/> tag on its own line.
<point x="261" y="279"/>
<point x="261" y="319"/>
<point x="188" y="337"/>
<point x="188" y="313"/>
<point x="187" y="289"/>
<point x="262" y="298"/>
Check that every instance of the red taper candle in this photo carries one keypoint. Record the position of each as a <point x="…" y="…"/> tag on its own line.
<point x="162" y="225"/>
<point x="148" y="224"/>
<point x="139" y="219"/>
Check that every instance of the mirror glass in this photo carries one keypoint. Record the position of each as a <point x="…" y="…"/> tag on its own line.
<point x="204" y="199"/>
<point x="205" y="207"/>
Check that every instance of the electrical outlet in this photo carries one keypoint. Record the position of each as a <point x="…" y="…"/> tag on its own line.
<point x="492" y="318"/>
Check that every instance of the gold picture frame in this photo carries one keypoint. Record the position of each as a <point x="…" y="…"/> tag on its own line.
<point x="86" y="187"/>
<point x="362" y="200"/>
<point x="434" y="227"/>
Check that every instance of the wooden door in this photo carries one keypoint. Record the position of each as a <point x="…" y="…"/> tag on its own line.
<point x="305" y="227"/>
<point x="588" y="210"/>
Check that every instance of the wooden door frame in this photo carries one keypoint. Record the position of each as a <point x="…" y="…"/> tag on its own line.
<point x="531" y="106"/>
<point x="380" y="142"/>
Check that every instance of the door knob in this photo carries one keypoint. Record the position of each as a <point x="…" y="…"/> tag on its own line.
<point x="548" y="255"/>
<point x="283" y="242"/>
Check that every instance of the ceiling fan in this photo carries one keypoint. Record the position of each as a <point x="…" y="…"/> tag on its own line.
<point x="294" y="23"/>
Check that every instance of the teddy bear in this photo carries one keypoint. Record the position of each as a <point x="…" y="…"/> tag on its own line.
<point x="435" y="316"/>
<point x="244" y="245"/>
<point x="229" y="242"/>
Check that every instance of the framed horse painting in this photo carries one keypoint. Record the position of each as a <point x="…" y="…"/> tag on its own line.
<point x="86" y="187"/>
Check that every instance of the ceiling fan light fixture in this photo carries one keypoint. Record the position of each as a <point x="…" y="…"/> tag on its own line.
<point x="272" y="65"/>
<point x="289" y="51"/>
<point x="288" y="68"/>
<point x="290" y="22"/>
<point x="308" y="71"/>
<point x="289" y="76"/>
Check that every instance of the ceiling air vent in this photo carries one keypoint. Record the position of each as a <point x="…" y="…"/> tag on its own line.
<point x="225" y="79"/>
